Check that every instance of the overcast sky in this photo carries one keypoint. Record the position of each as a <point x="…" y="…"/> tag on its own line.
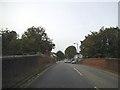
<point x="65" y="22"/>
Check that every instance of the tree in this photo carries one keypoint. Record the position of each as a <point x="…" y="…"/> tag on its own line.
<point x="70" y="52"/>
<point x="8" y="39"/>
<point x="33" y="40"/>
<point x="101" y="44"/>
<point x="36" y="40"/>
<point x="60" y="55"/>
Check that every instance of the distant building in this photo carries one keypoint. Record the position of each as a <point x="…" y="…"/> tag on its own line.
<point x="53" y="55"/>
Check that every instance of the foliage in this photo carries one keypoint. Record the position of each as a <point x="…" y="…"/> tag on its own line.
<point x="70" y="52"/>
<point x="60" y="55"/>
<point x="101" y="44"/>
<point x="33" y="40"/>
<point x="36" y="40"/>
<point x="9" y="38"/>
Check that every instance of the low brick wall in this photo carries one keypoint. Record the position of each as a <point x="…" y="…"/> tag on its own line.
<point x="105" y="63"/>
<point x="15" y="67"/>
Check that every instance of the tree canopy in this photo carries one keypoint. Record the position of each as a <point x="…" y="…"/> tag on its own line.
<point x="70" y="52"/>
<point x="60" y="55"/>
<point x="9" y="39"/>
<point x="101" y="44"/>
<point x="33" y="40"/>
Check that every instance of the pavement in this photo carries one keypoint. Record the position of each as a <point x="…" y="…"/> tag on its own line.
<point x="98" y="77"/>
<point x="67" y="75"/>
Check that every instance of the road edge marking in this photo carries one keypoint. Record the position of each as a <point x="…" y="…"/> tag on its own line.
<point x="37" y="76"/>
<point x="78" y="71"/>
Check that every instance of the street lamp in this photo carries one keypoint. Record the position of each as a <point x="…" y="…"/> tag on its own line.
<point x="77" y="47"/>
<point x="77" y="51"/>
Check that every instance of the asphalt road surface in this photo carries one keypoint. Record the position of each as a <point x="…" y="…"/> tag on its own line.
<point x="66" y="75"/>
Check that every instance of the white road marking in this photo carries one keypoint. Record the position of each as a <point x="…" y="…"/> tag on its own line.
<point x="35" y="77"/>
<point x="78" y="71"/>
<point x="96" y="88"/>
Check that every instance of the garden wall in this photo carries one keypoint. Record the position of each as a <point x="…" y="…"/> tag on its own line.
<point x="103" y="63"/>
<point x="17" y="68"/>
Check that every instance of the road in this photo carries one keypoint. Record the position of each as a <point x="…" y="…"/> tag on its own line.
<point x="66" y="75"/>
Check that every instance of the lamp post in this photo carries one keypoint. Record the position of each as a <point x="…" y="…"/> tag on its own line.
<point x="77" y="51"/>
<point x="77" y="47"/>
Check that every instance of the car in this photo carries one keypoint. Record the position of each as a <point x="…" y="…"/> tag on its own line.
<point x="74" y="62"/>
<point x="67" y="61"/>
<point x="72" y="59"/>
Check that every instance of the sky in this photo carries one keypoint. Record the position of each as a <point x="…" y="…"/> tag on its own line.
<point x="65" y="22"/>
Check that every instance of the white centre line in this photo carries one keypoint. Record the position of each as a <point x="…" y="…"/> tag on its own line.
<point x="78" y="71"/>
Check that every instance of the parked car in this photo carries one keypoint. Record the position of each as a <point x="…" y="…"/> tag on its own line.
<point x="74" y="62"/>
<point x="72" y="59"/>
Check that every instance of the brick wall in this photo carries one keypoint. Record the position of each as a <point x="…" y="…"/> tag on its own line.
<point x="15" y="67"/>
